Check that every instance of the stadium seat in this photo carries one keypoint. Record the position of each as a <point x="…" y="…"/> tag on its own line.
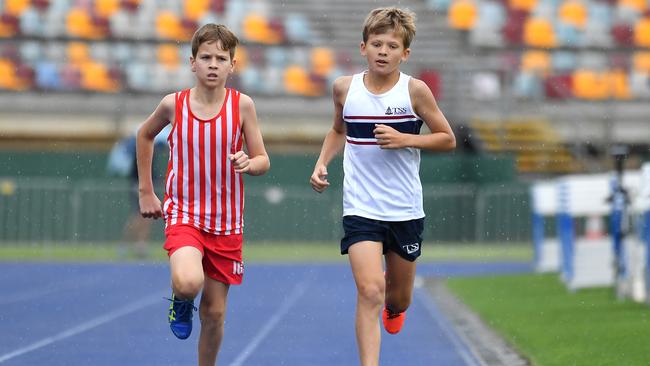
<point x="138" y="76"/>
<point x="276" y="56"/>
<point x="639" y="6"/>
<point x="527" y="85"/>
<point x="78" y="53"/>
<point x="195" y="9"/>
<point x="168" y="26"/>
<point x="31" y="23"/>
<point x="573" y="12"/>
<point x="642" y="33"/>
<point x="568" y="35"/>
<point x="106" y="8"/>
<point x="563" y="61"/>
<point x="597" y="35"/>
<point x="30" y="51"/>
<point x="538" y="32"/>
<point x="535" y="61"/>
<point x="641" y="61"/>
<point x="514" y="28"/>
<point x="256" y="29"/>
<point x="9" y="25"/>
<point x="79" y="24"/>
<point x="432" y="79"/>
<point x="438" y="5"/>
<point x="558" y="86"/>
<point x="526" y="5"/>
<point x="95" y="77"/>
<point x="618" y="84"/>
<point x="486" y="86"/>
<point x="589" y="85"/>
<point x="640" y="84"/>
<point x="462" y="14"/>
<point x="167" y="55"/>
<point x="47" y="76"/>
<point x="241" y="55"/>
<point x="15" y="7"/>
<point x="297" y="28"/>
<point x="251" y="79"/>
<point x="13" y="77"/>
<point x="322" y="61"/>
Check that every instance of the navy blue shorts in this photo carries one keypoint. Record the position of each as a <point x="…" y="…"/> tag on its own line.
<point x="401" y="237"/>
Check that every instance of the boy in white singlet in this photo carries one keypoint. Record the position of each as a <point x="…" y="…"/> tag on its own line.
<point x="377" y="118"/>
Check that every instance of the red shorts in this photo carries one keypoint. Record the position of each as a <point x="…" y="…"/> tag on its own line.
<point x="222" y="254"/>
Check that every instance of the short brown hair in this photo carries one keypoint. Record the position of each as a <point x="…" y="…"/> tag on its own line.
<point x="212" y="33"/>
<point x="382" y="20"/>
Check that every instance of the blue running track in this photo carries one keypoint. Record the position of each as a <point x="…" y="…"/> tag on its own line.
<point x="114" y="314"/>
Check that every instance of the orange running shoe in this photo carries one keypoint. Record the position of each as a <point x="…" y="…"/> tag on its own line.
<point x="393" y="321"/>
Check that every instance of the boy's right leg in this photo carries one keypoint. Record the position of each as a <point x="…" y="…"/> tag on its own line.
<point x="187" y="281"/>
<point x="366" y="262"/>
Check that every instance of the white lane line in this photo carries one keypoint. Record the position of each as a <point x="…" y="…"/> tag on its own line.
<point x="461" y="345"/>
<point x="295" y="294"/>
<point x="93" y="323"/>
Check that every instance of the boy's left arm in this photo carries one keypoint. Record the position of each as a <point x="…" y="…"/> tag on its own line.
<point x="256" y="162"/>
<point x="424" y="104"/>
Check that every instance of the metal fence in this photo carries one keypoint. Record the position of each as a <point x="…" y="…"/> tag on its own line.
<point x="51" y="211"/>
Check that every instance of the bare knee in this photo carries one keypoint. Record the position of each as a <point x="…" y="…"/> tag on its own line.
<point x="187" y="286"/>
<point x="372" y="292"/>
<point x="212" y="315"/>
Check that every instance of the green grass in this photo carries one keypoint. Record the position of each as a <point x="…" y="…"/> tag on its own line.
<point x="552" y="326"/>
<point x="259" y="252"/>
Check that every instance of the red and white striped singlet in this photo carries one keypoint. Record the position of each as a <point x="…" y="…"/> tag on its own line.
<point x="202" y="188"/>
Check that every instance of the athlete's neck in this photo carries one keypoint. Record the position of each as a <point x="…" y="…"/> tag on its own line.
<point x="207" y="96"/>
<point x="378" y="84"/>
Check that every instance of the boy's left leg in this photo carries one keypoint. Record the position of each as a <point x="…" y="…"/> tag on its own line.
<point x="212" y="312"/>
<point x="400" y="275"/>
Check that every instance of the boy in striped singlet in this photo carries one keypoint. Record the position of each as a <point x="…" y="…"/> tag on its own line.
<point x="378" y="114"/>
<point x="204" y="189"/>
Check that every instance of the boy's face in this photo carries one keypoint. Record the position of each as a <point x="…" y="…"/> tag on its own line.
<point x="212" y="64"/>
<point x="384" y="52"/>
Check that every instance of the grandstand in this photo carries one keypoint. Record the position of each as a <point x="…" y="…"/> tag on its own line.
<point x="86" y="72"/>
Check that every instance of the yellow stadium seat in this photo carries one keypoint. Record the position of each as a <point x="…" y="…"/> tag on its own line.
<point x="641" y="61"/>
<point x="619" y="86"/>
<point x="527" y="5"/>
<point x="538" y="32"/>
<point x="256" y="29"/>
<point x="589" y="85"/>
<point x="16" y="7"/>
<point x="535" y="61"/>
<point x="95" y="77"/>
<point x="168" y="26"/>
<point x="573" y="12"/>
<point x="106" y="8"/>
<point x="241" y="57"/>
<point x="462" y="15"/>
<point x="78" y="53"/>
<point x="322" y="61"/>
<point x="168" y="55"/>
<point x="297" y="81"/>
<point x="642" y="32"/>
<point x="8" y="77"/>
<point x="79" y="24"/>
<point x="195" y="9"/>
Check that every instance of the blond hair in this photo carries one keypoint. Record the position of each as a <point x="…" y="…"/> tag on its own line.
<point x="382" y="20"/>
<point x="213" y="33"/>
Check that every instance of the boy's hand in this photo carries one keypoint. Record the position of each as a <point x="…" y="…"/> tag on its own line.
<point x="240" y="162"/>
<point x="318" y="179"/>
<point x="388" y="137"/>
<point x="150" y="206"/>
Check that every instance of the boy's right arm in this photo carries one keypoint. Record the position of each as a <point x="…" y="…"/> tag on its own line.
<point x="335" y="139"/>
<point x="150" y="205"/>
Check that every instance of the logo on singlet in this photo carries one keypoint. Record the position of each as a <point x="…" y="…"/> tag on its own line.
<point x="395" y="110"/>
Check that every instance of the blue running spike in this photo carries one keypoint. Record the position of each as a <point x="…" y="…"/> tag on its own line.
<point x="180" y="317"/>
